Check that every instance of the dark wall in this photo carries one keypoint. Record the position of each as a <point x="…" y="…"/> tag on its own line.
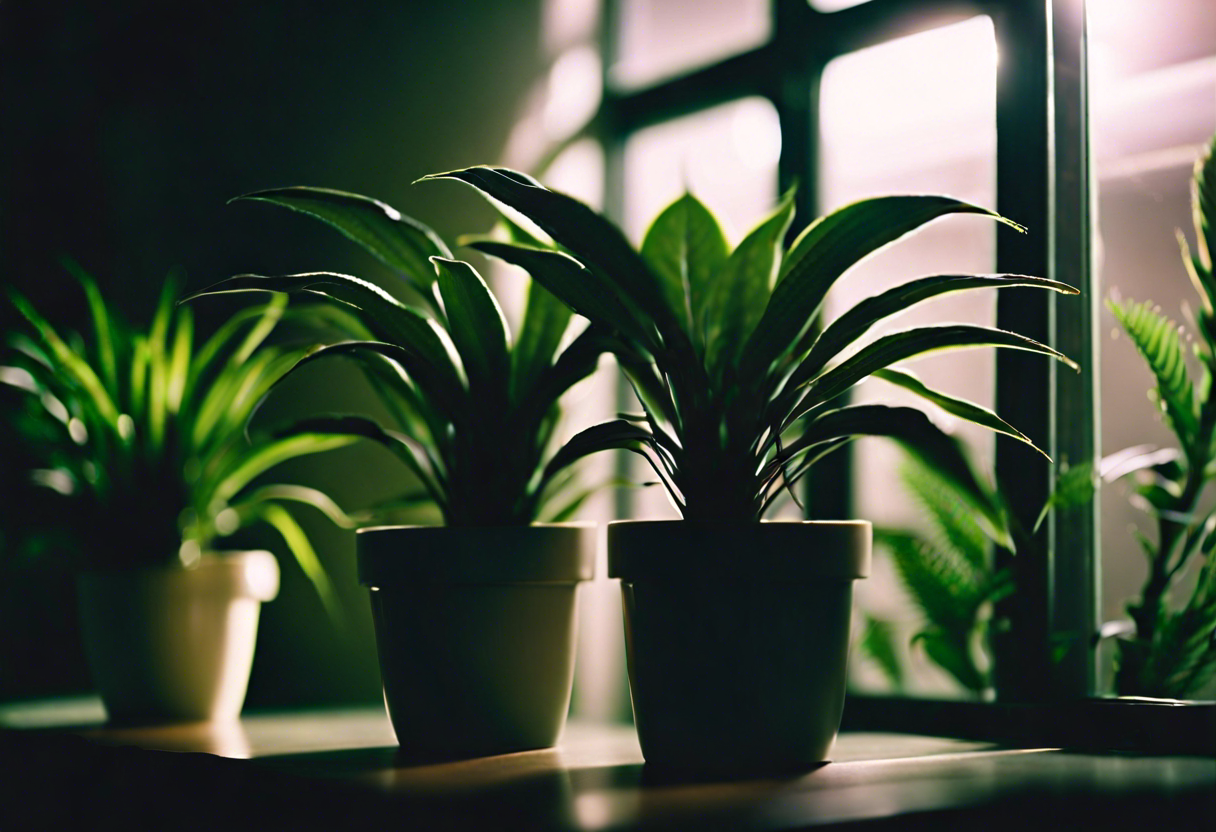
<point x="127" y="126"/>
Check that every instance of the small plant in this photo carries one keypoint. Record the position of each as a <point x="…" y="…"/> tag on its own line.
<point x="143" y="433"/>
<point x="727" y="351"/>
<point x="950" y="576"/>
<point x="475" y="411"/>
<point x="1173" y="653"/>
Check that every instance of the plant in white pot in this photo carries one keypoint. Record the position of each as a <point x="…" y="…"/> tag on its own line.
<point x="142" y="435"/>
<point x="475" y="619"/>
<point x="737" y="632"/>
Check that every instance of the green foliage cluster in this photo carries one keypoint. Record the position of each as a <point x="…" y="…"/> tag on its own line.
<point x="950" y="575"/>
<point x="1173" y="653"/>
<point x="144" y="433"/>
<point x="726" y="349"/>
<point x="475" y="410"/>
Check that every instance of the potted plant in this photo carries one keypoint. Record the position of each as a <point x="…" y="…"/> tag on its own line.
<point x="142" y="434"/>
<point x="737" y="631"/>
<point x="1171" y="652"/>
<point x="475" y="619"/>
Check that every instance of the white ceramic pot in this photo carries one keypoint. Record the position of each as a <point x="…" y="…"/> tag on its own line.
<point x="475" y="629"/>
<point x="737" y="638"/>
<point x="171" y="643"/>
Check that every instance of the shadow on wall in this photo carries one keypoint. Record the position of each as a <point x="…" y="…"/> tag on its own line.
<point x="128" y="126"/>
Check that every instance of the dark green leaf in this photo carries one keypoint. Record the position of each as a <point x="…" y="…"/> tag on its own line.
<point x="878" y="642"/>
<point x="594" y="240"/>
<point x="401" y="243"/>
<point x="858" y="319"/>
<point x="686" y="248"/>
<point x="961" y="408"/>
<point x="545" y="321"/>
<point x="740" y="291"/>
<point x="824" y="251"/>
<point x="478" y="328"/>
<point x="566" y="278"/>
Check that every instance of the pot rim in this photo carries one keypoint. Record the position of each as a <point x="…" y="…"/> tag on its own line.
<point x="240" y="573"/>
<point x="772" y="551"/>
<point x="542" y="553"/>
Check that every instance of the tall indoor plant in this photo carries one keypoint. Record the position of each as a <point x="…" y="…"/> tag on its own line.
<point x="143" y="435"/>
<point x="475" y="619"/>
<point x="737" y="632"/>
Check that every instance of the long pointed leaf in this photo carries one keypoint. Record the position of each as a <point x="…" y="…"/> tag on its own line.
<point x="857" y="320"/>
<point x="961" y="408"/>
<point x="899" y="346"/>
<point x="400" y="242"/>
<point x="545" y="322"/>
<point x="740" y="291"/>
<point x="595" y="241"/>
<point x="477" y="327"/>
<point x="824" y="251"/>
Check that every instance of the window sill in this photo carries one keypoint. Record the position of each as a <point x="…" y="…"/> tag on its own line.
<point x="342" y="769"/>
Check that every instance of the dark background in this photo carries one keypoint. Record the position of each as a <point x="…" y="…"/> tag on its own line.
<point x="126" y="128"/>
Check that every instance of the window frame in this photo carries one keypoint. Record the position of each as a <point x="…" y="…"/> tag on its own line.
<point x="1043" y="180"/>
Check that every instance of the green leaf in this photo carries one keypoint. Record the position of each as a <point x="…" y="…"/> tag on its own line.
<point x="878" y="642"/>
<point x="954" y="656"/>
<point x="401" y="243"/>
<point x="477" y="327"/>
<point x="360" y="427"/>
<point x="570" y="281"/>
<point x="545" y="321"/>
<point x="595" y="241"/>
<point x="961" y="408"/>
<point x="912" y="429"/>
<point x="858" y="319"/>
<point x="951" y="517"/>
<point x="900" y="346"/>
<point x="102" y="325"/>
<point x="297" y="542"/>
<point x="1075" y="486"/>
<point x="685" y="247"/>
<point x="1156" y="339"/>
<point x="400" y="325"/>
<point x="824" y="251"/>
<point x="740" y="291"/>
<point x="264" y="457"/>
<point x="605" y="436"/>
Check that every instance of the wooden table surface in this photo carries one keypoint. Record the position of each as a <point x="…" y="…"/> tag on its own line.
<point x="342" y="769"/>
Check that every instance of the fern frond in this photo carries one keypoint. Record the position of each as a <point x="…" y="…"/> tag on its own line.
<point x="1156" y="337"/>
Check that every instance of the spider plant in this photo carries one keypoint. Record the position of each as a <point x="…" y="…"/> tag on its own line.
<point x="143" y="433"/>
<point x="1172" y="652"/>
<point x="475" y="410"/>
<point x="726" y="349"/>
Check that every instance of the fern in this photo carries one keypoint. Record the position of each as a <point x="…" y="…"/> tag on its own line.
<point x="1157" y="339"/>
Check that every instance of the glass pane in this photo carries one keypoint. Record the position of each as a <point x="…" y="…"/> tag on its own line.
<point x="657" y="39"/>
<point x="1153" y="104"/>
<point x="727" y="157"/>
<point x="915" y="115"/>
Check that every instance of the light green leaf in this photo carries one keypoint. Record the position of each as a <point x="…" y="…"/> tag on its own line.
<point x="1156" y="339"/>
<point x="685" y="247"/>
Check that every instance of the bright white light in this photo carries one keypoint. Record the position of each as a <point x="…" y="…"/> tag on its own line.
<point x="756" y="131"/>
<point x="573" y="93"/>
<point x="835" y="5"/>
<point x="933" y="90"/>
<point x="78" y="432"/>
<point x="565" y="22"/>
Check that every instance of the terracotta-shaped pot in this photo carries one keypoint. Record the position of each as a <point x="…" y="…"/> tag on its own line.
<point x="174" y="643"/>
<point x="737" y="638"/>
<point x="475" y="629"/>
